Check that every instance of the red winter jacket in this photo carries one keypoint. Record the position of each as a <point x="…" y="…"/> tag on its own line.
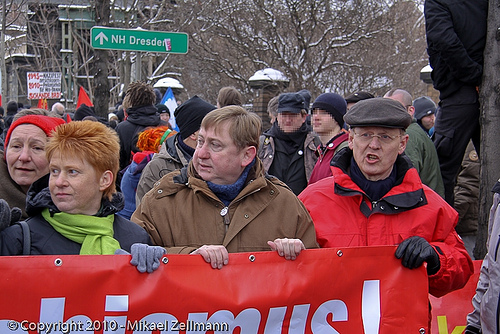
<point x="344" y="217"/>
<point x="322" y="168"/>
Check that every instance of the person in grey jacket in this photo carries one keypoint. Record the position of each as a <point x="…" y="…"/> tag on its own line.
<point x="288" y="148"/>
<point x="176" y="151"/>
<point x="484" y="318"/>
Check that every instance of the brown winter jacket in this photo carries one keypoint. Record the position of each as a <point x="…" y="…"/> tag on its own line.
<point x="182" y="214"/>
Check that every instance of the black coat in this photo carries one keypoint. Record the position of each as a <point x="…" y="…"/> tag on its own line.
<point x="456" y="36"/>
<point x="45" y="240"/>
<point x="138" y="119"/>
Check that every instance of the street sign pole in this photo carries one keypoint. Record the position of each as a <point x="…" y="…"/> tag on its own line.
<point x="138" y="40"/>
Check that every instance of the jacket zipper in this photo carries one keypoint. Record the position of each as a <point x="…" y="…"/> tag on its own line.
<point x="225" y="218"/>
<point x="225" y="210"/>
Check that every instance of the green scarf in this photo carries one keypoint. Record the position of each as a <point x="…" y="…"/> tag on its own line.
<point x="94" y="233"/>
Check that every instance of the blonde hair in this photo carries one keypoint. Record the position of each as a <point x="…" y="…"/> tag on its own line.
<point x="244" y="126"/>
<point x="92" y="141"/>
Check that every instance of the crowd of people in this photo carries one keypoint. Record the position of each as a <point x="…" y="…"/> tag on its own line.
<point x="332" y="171"/>
<point x="220" y="185"/>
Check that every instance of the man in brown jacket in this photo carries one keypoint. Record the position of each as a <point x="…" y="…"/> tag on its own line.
<point x="223" y="202"/>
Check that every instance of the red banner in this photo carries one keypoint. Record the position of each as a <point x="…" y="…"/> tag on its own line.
<point x="351" y="290"/>
<point x="449" y="313"/>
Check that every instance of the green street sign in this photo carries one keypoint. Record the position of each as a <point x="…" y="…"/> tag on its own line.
<point x="138" y="40"/>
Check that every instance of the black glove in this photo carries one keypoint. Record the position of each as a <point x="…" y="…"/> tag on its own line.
<point x="414" y="251"/>
<point x="8" y="216"/>
<point x="472" y="330"/>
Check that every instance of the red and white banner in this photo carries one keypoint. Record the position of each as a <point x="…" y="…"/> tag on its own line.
<point x="449" y="313"/>
<point x="351" y="290"/>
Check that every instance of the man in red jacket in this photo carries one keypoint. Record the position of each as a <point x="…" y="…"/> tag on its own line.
<point x="376" y="197"/>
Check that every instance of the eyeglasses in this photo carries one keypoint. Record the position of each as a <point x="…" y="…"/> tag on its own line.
<point x="368" y="137"/>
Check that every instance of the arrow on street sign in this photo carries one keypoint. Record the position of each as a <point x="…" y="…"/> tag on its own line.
<point x="102" y="37"/>
<point x="138" y="40"/>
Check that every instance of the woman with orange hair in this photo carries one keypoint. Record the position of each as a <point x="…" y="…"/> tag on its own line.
<point x="148" y="143"/>
<point x="72" y="210"/>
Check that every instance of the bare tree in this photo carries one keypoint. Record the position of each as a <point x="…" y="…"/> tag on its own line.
<point x="101" y="63"/>
<point x="490" y="125"/>
<point x="12" y="22"/>
<point x="320" y="45"/>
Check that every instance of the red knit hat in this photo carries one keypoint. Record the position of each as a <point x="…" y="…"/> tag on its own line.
<point x="46" y="123"/>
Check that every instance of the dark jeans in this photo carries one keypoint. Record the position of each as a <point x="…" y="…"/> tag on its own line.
<point x="457" y="121"/>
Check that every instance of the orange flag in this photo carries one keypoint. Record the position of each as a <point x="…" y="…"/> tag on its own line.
<point x="83" y="98"/>
<point x="42" y="103"/>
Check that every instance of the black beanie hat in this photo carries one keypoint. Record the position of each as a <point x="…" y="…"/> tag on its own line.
<point x="189" y="115"/>
<point x="83" y="111"/>
<point x="12" y="107"/>
<point x="334" y="104"/>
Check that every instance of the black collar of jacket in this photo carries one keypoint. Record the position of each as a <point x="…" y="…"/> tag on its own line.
<point x="38" y="198"/>
<point x="394" y="204"/>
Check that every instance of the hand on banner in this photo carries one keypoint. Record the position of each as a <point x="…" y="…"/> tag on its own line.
<point x="414" y="251"/>
<point x="144" y="257"/>
<point x="8" y="216"/>
<point x="288" y="248"/>
<point x="216" y="255"/>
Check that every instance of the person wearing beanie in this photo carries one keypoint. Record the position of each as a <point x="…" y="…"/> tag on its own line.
<point x="328" y="111"/>
<point x="288" y="148"/>
<point x="164" y="113"/>
<point x="72" y="209"/>
<point x="376" y="198"/>
<point x="24" y="158"/>
<point x="419" y="148"/>
<point x="139" y="107"/>
<point x="425" y="110"/>
<point x="176" y="151"/>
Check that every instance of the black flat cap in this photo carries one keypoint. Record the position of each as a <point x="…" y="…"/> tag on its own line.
<point x="380" y="112"/>
<point x="291" y="102"/>
<point x="358" y="96"/>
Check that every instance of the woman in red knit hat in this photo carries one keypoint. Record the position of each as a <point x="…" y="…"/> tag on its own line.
<point x="24" y="158"/>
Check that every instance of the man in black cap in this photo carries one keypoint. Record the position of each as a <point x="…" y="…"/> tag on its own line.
<point x="354" y="98"/>
<point x="376" y="198"/>
<point x="176" y="151"/>
<point x="287" y="149"/>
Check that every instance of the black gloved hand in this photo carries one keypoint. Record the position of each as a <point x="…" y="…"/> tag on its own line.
<point x="8" y="216"/>
<point x="472" y="330"/>
<point x="414" y="251"/>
